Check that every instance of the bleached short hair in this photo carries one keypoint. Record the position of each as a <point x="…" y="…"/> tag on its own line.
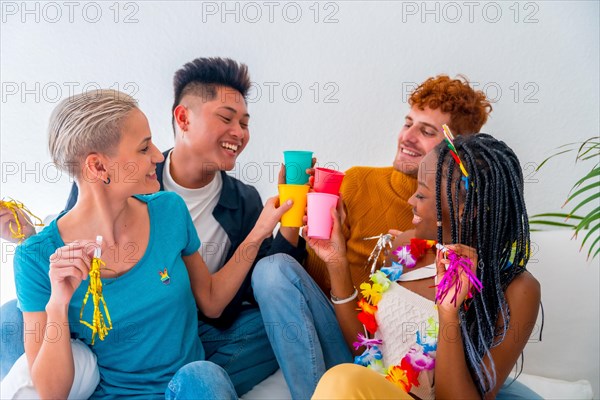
<point x="87" y="123"/>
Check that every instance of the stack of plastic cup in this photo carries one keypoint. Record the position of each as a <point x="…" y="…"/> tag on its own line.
<point x="296" y="186"/>
<point x="319" y="203"/>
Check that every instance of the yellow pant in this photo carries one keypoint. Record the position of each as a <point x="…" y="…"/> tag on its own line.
<point x="351" y="381"/>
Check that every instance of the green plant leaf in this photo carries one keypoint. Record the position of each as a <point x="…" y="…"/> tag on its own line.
<point x="552" y="156"/>
<point x="555" y="215"/>
<point x="584" y="189"/>
<point x="582" y="155"/>
<point x="552" y="223"/>
<point x="597" y="251"/>
<point x="592" y="246"/>
<point x="594" y="243"/>
<point x="591" y="231"/>
<point x="555" y="220"/>
<point x="584" y="223"/>
<point x="585" y="201"/>
<point x="587" y="150"/>
<point x="591" y="174"/>
<point x="585" y="143"/>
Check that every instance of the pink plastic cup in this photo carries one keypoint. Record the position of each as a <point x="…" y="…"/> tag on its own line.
<point x="318" y="211"/>
<point x="328" y="181"/>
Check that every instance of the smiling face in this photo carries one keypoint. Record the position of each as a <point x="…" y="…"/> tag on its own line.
<point x="216" y="131"/>
<point x="132" y="169"/>
<point x="422" y="131"/>
<point x="423" y="201"/>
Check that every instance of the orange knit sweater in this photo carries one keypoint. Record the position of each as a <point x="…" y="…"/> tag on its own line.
<point x="376" y="200"/>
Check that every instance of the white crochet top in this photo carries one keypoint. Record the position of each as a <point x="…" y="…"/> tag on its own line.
<point x="400" y="314"/>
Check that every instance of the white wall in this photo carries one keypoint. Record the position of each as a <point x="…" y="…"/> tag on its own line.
<point x="538" y="60"/>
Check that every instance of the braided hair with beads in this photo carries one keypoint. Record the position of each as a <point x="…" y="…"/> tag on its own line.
<point x="486" y="212"/>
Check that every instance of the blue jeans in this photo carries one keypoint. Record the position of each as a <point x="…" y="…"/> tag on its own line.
<point x="11" y="342"/>
<point x="515" y="390"/>
<point x="200" y="380"/>
<point x="243" y="350"/>
<point x="300" y="323"/>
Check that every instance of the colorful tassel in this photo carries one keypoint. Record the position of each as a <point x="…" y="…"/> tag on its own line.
<point x="98" y="325"/>
<point x="15" y="206"/>
<point x="452" y="279"/>
<point x="384" y="241"/>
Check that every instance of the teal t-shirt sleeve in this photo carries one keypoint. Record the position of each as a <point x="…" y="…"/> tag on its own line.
<point x="31" y="278"/>
<point x="193" y="241"/>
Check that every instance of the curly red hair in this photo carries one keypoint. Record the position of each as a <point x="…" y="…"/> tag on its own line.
<point x="468" y="108"/>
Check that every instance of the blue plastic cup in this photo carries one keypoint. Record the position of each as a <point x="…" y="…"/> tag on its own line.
<point x="296" y="164"/>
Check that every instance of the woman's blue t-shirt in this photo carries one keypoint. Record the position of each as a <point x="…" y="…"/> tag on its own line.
<point x="155" y="322"/>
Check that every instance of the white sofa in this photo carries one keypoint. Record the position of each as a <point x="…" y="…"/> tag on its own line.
<point x="566" y="363"/>
<point x="570" y="347"/>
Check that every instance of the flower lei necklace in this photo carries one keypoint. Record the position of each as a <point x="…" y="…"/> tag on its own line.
<point x="420" y="357"/>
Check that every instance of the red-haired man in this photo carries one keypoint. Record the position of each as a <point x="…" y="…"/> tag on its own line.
<point x="376" y="199"/>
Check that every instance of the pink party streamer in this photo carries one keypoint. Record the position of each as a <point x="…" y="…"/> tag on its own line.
<point x="452" y="278"/>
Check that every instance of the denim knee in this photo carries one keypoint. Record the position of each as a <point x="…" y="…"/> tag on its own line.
<point x="514" y="390"/>
<point x="201" y="380"/>
<point x="11" y="322"/>
<point x="273" y="270"/>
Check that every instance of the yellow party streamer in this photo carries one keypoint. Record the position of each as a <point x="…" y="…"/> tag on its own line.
<point x="14" y="206"/>
<point x="98" y="325"/>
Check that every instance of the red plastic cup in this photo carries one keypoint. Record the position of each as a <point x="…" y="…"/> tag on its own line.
<point x="328" y="181"/>
<point x="318" y="211"/>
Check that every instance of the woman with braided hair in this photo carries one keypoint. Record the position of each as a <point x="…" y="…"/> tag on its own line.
<point x="451" y="323"/>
